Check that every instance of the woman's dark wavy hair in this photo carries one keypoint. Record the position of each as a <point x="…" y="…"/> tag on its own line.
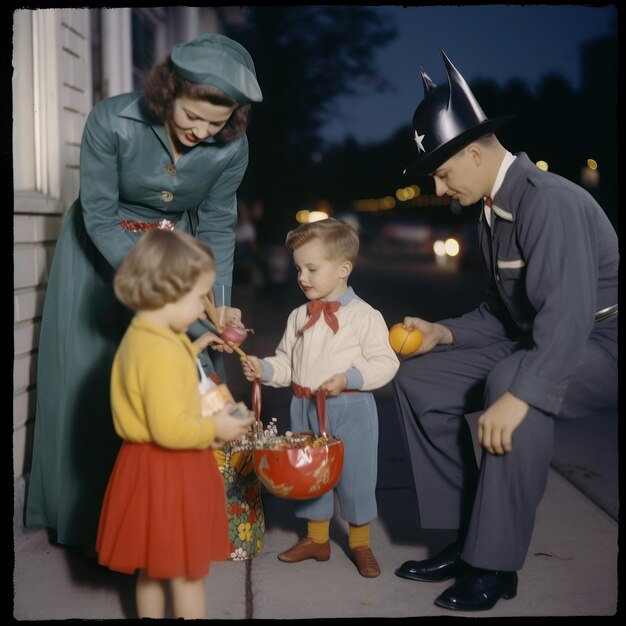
<point x="163" y="85"/>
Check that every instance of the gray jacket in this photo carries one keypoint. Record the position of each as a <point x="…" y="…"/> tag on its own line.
<point x="552" y="258"/>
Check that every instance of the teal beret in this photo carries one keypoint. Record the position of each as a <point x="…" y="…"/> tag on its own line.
<point x="213" y="59"/>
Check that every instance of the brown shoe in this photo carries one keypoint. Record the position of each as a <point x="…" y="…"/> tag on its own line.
<point x="365" y="562"/>
<point x="306" y="549"/>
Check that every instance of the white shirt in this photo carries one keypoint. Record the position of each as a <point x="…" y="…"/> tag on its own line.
<point x="360" y="349"/>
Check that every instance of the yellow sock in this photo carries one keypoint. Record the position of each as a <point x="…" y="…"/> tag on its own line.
<point x="359" y="536"/>
<point x="318" y="531"/>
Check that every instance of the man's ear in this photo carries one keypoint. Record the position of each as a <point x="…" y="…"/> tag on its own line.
<point x="475" y="152"/>
<point x="345" y="269"/>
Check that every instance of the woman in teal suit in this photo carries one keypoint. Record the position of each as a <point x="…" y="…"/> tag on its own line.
<point x="170" y="157"/>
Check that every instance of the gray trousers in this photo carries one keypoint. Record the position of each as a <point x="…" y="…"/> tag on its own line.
<point x="493" y="501"/>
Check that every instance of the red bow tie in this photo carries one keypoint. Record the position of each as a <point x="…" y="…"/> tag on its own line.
<point x="489" y="202"/>
<point x="314" y="309"/>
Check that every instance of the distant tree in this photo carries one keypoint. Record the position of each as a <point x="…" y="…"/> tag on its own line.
<point x="352" y="171"/>
<point x="305" y="57"/>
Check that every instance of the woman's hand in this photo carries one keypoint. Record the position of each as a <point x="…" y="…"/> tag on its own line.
<point x="434" y="334"/>
<point x="229" y="315"/>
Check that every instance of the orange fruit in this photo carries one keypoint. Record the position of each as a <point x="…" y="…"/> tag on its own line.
<point x="405" y="340"/>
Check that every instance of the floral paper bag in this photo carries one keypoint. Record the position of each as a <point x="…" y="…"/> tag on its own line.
<point x="246" y="521"/>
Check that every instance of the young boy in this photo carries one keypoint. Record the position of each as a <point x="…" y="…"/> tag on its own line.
<point x="337" y="345"/>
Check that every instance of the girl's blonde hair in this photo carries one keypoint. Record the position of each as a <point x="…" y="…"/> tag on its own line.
<point x="161" y="268"/>
<point x="339" y="238"/>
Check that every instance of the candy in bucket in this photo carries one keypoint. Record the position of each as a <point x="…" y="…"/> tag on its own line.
<point x="297" y="466"/>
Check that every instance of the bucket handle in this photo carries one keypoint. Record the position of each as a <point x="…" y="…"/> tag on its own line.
<point x="256" y="398"/>
<point x="320" y="401"/>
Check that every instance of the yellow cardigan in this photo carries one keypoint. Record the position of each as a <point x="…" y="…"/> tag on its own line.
<point x="154" y="389"/>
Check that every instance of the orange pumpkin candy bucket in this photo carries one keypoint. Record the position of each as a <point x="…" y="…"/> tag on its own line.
<point x="298" y="466"/>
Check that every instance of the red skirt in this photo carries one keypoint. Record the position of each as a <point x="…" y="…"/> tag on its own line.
<point x="164" y="511"/>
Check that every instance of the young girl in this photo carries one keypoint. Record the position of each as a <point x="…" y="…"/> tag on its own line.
<point x="164" y="510"/>
<point x="336" y="345"/>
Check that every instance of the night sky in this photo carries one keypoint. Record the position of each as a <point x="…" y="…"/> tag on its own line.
<point x="497" y="42"/>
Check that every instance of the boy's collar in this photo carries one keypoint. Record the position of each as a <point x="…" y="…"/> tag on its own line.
<point x="346" y="296"/>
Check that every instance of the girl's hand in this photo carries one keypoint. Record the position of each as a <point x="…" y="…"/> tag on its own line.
<point x="334" y="385"/>
<point x="229" y="427"/>
<point x="208" y="339"/>
<point x="434" y="334"/>
<point x="213" y="340"/>
<point x="251" y="366"/>
<point x="223" y="347"/>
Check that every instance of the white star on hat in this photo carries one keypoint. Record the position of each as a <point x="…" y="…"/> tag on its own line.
<point x="418" y="141"/>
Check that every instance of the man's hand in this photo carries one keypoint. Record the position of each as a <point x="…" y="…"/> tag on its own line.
<point x="434" y="334"/>
<point x="497" y="424"/>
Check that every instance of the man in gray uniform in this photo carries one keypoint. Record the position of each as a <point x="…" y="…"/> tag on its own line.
<point x="542" y="345"/>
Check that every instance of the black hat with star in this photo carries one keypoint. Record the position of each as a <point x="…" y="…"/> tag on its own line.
<point x="446" y="120"/>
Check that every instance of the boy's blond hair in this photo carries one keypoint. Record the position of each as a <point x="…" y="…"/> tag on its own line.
<point x="162" y="267"/>
<point x="339" y="238"/>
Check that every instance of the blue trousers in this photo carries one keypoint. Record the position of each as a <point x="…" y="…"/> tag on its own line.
<point x="353" y="418"/>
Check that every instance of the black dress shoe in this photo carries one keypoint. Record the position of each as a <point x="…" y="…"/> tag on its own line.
<point x="442" y="566"/>
<point x="479" y="590"/>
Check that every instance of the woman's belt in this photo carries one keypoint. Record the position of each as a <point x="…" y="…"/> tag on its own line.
<point x="602" y="314"/>
<point x="142" y="227"/>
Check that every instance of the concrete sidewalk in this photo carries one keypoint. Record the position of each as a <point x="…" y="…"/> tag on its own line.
<point x="571" y="570"/>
